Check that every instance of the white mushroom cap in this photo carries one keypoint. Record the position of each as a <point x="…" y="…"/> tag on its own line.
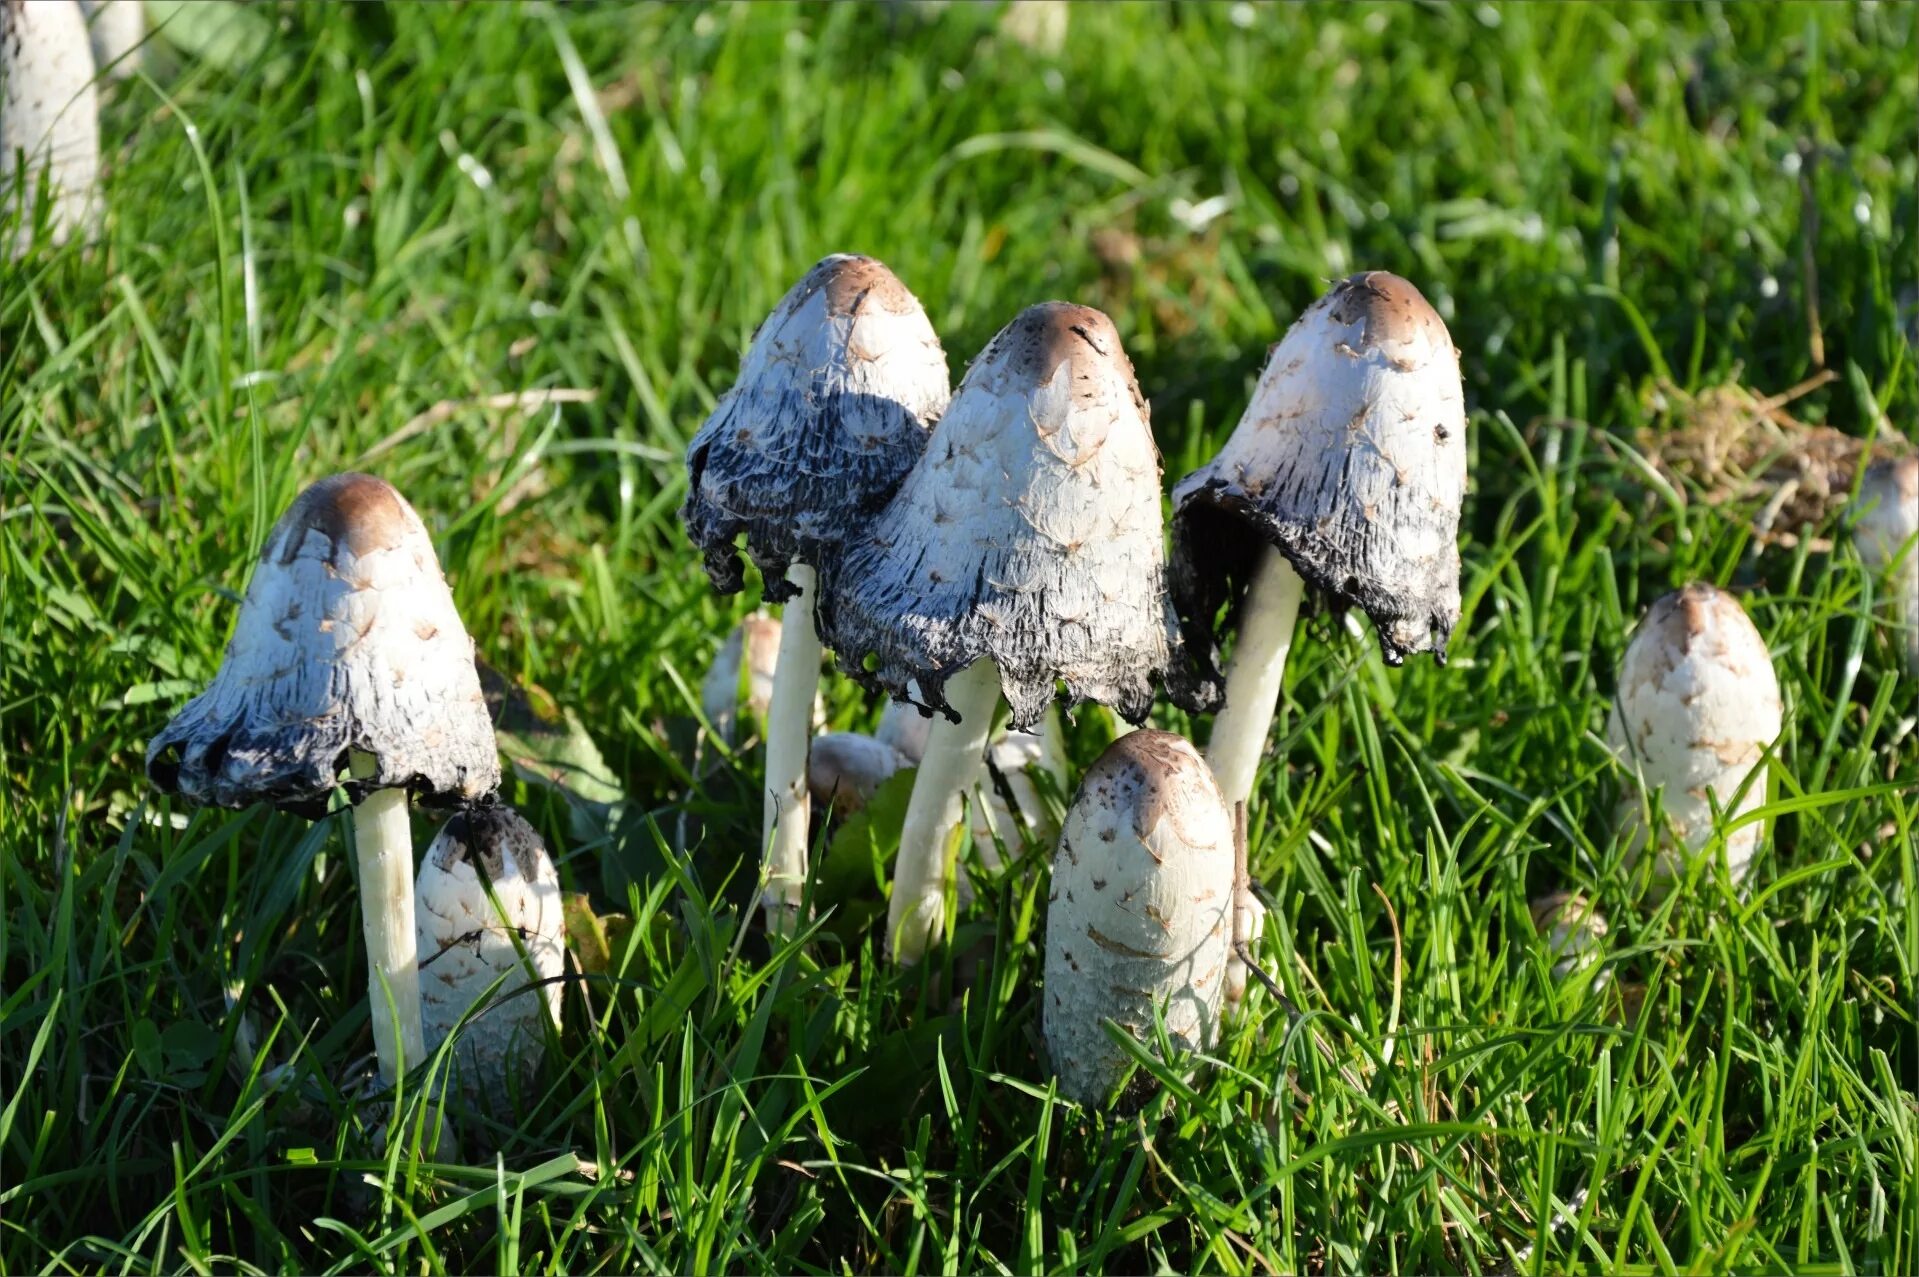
<point x="845" y="769"/>
<point x="1029" y="534"/>
<point x="50" y="110"/>
<point x="466" y="944"/>
<point x="1351" y="460"/>
<point x="1574" y="931"/>
<point x="755" y="642"/>
<point x="1887" y="521"/>
<point x="348" y="643"/>
<point x="831" y="410"/>
<point x="1698" y="705"/>
<point x="116" y="27"/>
<point x="1141" y="913"/>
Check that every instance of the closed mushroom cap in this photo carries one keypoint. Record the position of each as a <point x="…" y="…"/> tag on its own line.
<point x="1142" y="909"/>
<point x="831" y="410"/>
<point x="466" y="943"/>
<point x="1698" y="703"/>
<point x="50" y="112"/>
<point x="755" y="641"/>
<point x="1574" y="930"/>
<point x="1888" y="521"/>
<point x="1351" y="460"/>
<point x="1030" y="535"/>
<point x="347" y="644"/>
<point x="845" y="769"/>
<point x="116" y="28"/>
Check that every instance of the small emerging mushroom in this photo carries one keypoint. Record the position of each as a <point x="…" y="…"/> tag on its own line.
<point x="1346" y="473"/>
<point x="467" y="942"/>
<point x="1885" y="523"/>
<point x="740" y="680"/>
<point x="1024" y="550"/>
<point x="831" y="409"/>
<point x="49" y="118"/>
<point x="116" y="28"/>
<point x="1697" y="706"/>
<point x="1141" y="918"/>
<point x="348" y="669"/>
<point x="1573" y="929"/>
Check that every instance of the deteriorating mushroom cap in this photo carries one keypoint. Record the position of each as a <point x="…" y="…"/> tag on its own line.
<point x="1029" y="534"/>
<point x="348" y="654"/>
<point x="1698" y="703"/>
<point x="1351" y="460"/>
<point x="466" y="942"/>
<point x="831" y="410"/>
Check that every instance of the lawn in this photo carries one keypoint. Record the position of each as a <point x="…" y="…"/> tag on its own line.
<point x="508" y="256"/>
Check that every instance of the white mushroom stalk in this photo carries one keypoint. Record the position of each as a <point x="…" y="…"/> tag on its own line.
<point x="831" y="410"/>
<point x="1698" y="705"/>
<point x="1345" y="475"/>
<point x="49" y="119"/>
<point x="1023" y="551"/>
<point x="348" y="669"/>
<point x="116" y="29"/>
<point x="468" y="939"/>
<point x="1139" y="926"/>
<point x="1885" y="525"/>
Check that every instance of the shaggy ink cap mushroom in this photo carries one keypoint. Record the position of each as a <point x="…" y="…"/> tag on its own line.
<point x="348" y="657"/>
<point x="1029" y="535"/>
<point x="50" y="117"/>
<point x="1141" y="915"/>
<point x="1886" y="521"/>
<point x="1351" y="461"/>
<point x="831" y="410"/>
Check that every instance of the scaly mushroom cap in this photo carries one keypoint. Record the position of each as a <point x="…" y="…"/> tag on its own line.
<point x="1887" y="522"/>
<point x="347" y="644"/>
<point x="466" y="943"/>
<point x="1029" y="534"/>
<point x="1698" y="703"/>
<point x="1141" y="913"/>
<point x="831" y="410"/>
<point x="116" y="28"/>
<point x="50" y="111"/>
<point x="1351" y="460"/>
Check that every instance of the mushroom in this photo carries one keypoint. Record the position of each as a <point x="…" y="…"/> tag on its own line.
<point x="468" y="939"/>
<point x="845" y="769"/>
<point x="1023" y="550"/>
<point x="1885" y="521"/>
<point x="1697" y="706"/>
<point x="1346" y="473"/>
<point x="1573" y="929"/>
<point x="348" y="669"/>
<point x="116" y="28"/>
<point x="831" y="410"/>
<point x="1140" y="921"/>
<point x="751" y="651"/>
<point x="49" y="118"/>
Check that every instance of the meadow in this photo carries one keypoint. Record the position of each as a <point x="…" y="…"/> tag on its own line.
<point x="507" y="257"/>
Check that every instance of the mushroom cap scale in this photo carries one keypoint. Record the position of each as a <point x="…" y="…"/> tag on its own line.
<point x="1030" y="534"/>
<point x="50" y="113"/>
<point x="1141" y="912"/>
<point x="347" y="644"/>
<point x="1697" y="705"/>
<point x="830" y="411"/>
<point x="1351" y="461"/>
<point x="465" y="943"/>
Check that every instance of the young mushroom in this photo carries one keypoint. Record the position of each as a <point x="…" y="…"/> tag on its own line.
<point x="1346" y="473"/>
<point x="1574" y="931"/>
<point x="1141" y="918"/>
<point x="831" y="410"/>
<point x="1885" y="523"/>
<point x="1697" y="706"/>
<point x="1024" y="550"/>
<point x="116" y="29"/>
<point x="49" y="119"/>
<point x="740" y="680"/>
<point x="508" y="926"/>
<point x="348" y="670"/>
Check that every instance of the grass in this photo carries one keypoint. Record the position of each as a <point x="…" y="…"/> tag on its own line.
<point x="318" y="235"/>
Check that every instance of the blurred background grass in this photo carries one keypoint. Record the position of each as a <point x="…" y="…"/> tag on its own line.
<point x="507" y="256"/>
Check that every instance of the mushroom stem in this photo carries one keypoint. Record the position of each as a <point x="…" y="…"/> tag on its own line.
<point x="789" y="725"/>
<point x="955" y="756"/>
<point x="1253" y="677"/>
<point x="383" y="846"/>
